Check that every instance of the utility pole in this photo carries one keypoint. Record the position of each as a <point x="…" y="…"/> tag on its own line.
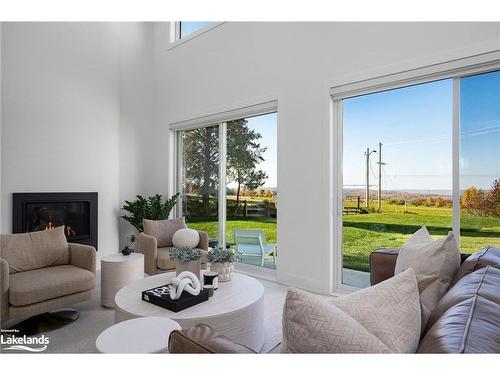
<point x="380" y="164"/>
<point x="367" y="188"/>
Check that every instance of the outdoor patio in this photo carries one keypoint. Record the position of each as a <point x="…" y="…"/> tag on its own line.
<point x="350" y="277"/>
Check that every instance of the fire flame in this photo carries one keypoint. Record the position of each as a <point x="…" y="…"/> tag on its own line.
<point x="68" y="231"/>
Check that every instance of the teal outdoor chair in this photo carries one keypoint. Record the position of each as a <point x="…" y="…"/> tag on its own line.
<point x="252" y="242"/>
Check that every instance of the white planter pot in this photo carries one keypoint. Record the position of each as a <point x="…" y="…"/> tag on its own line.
<point x="192" y="266"/>
<point x="225" y="270"/>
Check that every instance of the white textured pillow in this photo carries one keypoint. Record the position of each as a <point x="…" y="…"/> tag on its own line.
<point x="186" y="238"/>
<point x="384" y="318"/>
<point x="435" y="264"/>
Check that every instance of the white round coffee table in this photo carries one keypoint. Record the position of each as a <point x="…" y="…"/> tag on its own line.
<point x="141" y="335"/>
<point x="118" y="270"/>
<point x="236" y="309"/>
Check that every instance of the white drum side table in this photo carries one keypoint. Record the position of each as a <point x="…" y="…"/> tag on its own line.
<point x="141" y="335"/>
<point x="117" y="271"/>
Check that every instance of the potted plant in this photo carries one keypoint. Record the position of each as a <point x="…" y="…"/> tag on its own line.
<point x="152" y="208"/>
<point x="186" y="259"/>
<point x="221" y="261"/>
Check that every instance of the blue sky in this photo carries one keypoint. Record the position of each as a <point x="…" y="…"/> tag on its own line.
<point x="480" y="130"/>
<point x="414" y="125"/>
<point x="190" y="27"/>
<point x="267" y="126"/>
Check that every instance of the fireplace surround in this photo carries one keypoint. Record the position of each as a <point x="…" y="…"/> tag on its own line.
<point x="41" y="211"/>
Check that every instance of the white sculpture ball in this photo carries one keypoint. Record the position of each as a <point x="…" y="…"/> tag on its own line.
<point x="186" y="238"/>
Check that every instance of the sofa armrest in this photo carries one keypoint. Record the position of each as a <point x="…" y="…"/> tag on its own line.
<point x="203" y="244"/>
<point x="4" y="288"/>
<point x="382" y="264"/>
<point x="203" y="339"/>
<point x="82" y="256"/>
<point x="148" y="246"/>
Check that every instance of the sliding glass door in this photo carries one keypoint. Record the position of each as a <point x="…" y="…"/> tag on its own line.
<point x="241" y="156"/>
<point x="479" y="161"/>
<point x="397" y="167"/>
<point x="199" y="178"/>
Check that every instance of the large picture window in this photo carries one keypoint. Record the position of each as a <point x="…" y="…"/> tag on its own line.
<point x="240" y="155"/>
<point x="397" y="164"/>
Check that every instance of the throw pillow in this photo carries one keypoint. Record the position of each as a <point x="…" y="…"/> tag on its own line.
<point x="186" y="238"/>
<point x="163" y="230"/>
<point x="29" y="251"/>
<point x="384" y="318"/>
<point x="434" y="262"/>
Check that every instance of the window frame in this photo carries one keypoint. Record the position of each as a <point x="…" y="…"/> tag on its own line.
<point x="175" y="33"/>
<point x="219" y="119"/>
<point x="454" y="70"/>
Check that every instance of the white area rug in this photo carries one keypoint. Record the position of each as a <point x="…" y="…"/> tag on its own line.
<point x="80" y="336"/>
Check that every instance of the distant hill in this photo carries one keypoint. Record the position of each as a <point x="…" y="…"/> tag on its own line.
<point x="408" y="193"/>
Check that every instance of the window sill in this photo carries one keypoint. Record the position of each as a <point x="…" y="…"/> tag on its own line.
<point x="196" y="34"/>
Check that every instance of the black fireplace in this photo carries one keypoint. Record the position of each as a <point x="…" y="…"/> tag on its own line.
<point x="41" y="211"/>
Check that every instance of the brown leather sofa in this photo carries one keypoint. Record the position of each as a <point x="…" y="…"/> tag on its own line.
<point x="466" y="319"/>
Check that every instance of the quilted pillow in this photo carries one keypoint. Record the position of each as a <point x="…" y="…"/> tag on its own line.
<point x="434" y="262"/>
<point x="384" y="318"/>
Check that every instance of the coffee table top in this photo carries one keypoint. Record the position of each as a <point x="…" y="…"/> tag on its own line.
<point x="141" y="335"/>
<point x="239" y="293"/>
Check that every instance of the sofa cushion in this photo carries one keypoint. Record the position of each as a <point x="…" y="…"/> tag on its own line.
<point x="43" y="284"/>
<point x="468" y="317"/>
<point x="163" y="230"/>
<point x="164" y="262"/>
<point x="29" y="251"/>
<point x="384" y="318"/>
<point x="489" y="256"/>
<point x="435" y="263"/>
<point x="481" y="282"/>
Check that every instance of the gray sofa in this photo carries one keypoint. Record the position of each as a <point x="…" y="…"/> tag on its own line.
<point x="41" y="271"/>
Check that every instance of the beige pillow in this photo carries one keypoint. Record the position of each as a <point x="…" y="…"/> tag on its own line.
<point x="434" y="262"/>
<point x="29" y="251"/>
<point x="163" y="230"/>
<point x="384" y="318"/>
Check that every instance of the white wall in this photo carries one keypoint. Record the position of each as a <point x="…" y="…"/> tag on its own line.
<point x="73" y="110"/>
<point x="240" y="63"/>
<point x="137" y="108"/>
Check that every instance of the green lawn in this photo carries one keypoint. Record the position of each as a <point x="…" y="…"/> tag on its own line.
<point x="390" y="229"/>
<point x="268" y="225"/>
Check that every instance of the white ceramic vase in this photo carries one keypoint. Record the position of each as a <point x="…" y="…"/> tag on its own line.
<point x="225" y="270"/>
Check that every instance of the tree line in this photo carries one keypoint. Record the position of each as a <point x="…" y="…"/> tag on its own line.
<point x="479" y="202"/>
<point x="201" y="161"/>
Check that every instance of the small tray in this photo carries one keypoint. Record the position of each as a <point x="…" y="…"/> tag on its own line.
<point x="160" y="296"/>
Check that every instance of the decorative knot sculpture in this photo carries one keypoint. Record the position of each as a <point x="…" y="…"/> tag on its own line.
<point x="184" y="281"/>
